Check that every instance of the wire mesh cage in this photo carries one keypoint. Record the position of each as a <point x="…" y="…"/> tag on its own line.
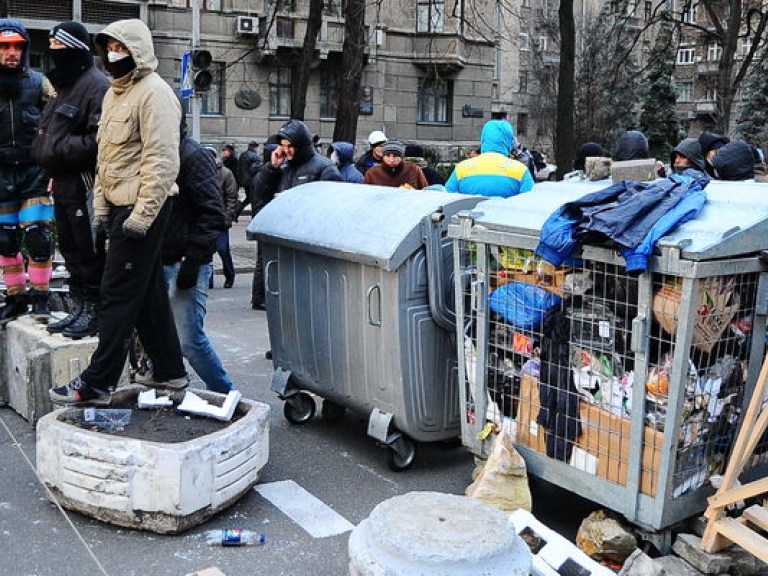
<point x="626" y="389"/>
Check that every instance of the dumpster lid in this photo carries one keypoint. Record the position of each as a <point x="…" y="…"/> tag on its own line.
<point x="733" y="222"/>
<point x="373" y="225"/>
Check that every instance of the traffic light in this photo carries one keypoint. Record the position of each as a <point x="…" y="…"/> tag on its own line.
<point x="202" y="77"/>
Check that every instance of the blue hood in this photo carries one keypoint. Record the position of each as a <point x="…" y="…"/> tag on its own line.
<point x="497" y="136"/>
<point x="16" y="26"/>
<point x="345" y="151"/>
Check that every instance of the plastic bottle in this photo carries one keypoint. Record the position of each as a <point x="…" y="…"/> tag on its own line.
<point x="234" y="538"/>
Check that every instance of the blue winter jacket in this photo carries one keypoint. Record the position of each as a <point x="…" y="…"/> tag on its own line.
<point x="632" y="214"/>
<point x="345" y="151"/>
<point x="493" y="172"/>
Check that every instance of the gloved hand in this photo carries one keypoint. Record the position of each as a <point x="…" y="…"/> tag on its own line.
<point x="100" y="224"/>
<point x="188" y="272"/>
<point x="134" y="229"/>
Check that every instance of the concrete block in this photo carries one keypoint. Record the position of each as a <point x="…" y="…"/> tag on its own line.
<point x="640" y="564"/>
<point x="433" y="534"/>
<point x="33" y="361"/>
<point x="674" y="566"/>
<point x="744" y="563"/>
<point x="638" y="170"/>
<point x="165" y="488"/>
<point x="688" y="547"/>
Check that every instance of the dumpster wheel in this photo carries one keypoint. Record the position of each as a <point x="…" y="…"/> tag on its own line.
<point x="401" y="454"/>
<point x="299" y="408"/>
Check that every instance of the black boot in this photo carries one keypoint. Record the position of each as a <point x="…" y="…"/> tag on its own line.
<point x="39" y="300"/>
<point x="86" y="324"/>
<point x="74" y="311"/>
<point x="15" y="306"/>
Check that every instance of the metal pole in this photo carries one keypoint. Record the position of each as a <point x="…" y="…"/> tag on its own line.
<point x="195" y="99"/>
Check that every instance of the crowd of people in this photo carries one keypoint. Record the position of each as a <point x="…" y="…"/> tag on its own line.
<point x="141" y="208"/>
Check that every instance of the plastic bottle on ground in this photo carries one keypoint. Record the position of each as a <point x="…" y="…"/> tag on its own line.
<point x="234" y="538"/>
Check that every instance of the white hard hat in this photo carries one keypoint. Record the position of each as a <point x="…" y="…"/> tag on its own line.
<point x="376" y="137"/>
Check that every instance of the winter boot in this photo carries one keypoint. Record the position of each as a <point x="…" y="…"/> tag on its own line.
<point x="86" y="324"/>
<point x="74" y="311"/>
<point x="39" y="300"/>
<point x="15" y="306"/>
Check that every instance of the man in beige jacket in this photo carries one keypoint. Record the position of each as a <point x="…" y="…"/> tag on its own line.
<point x="138" y="161"/>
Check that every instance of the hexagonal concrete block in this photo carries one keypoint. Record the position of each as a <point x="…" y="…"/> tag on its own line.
<point x="165" y="488"/>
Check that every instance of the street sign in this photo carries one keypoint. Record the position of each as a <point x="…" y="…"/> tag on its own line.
<point x="186" y="75"/>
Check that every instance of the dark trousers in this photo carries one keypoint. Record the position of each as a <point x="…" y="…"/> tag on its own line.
<point x="257" y="287"/>
<point x="83" y="252"/>
<point x="222" y="249"/>
<point x="134" y="294"/>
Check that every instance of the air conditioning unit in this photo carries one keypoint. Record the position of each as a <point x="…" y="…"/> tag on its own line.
<point x="248" y="25"/>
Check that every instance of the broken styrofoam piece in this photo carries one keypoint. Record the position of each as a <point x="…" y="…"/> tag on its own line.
<point x="193" y="404"/>
<point x="149" y="399"/>
<point x="557" y="550"/>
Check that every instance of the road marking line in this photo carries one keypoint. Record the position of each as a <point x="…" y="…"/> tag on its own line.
<point x="312" y="514"/>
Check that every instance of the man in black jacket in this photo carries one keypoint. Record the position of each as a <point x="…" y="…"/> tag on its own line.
<point x="195" y="223"/>
<point x="66" y="148"/>
<point x="294" y="161"/>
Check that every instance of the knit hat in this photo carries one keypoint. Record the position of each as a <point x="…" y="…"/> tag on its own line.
<point x="228" y="147"/>
<point x="11" y="36"/>
<point x="72" y="35"/>
<point x="394" y="147"/>
<point x="414" y="151"/>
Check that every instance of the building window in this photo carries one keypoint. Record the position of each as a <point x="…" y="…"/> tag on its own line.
<point x="711" y="94"/>
<point x="284" y="28"/>
<point x="286" y="5"/>
<point x="542" y="45"/>
<point x="212" y="101"/>
<point x="212" y="5"/>
<point x="280" y="92"/>
<point x="523" y="79"/>
<point x="714" y="51"/>
<point x="689" y="14"/>
<point x="686" y="55"/>
<point x="525" y="41"/>
<point x="435" y="100"/>
<point x="429" y="15"/>
<point x="685" y="92"/>
<point x="332" y="7"/>
<point x="526" y="3"/>
<point x="522" y="124"/>
<point x="328" y="94"/>
<point x="178" y="3"/>
<point x="647" y="10"/>
<point x="745" y="45"/>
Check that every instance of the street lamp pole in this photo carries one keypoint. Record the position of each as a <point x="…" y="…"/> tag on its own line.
<point x="195" y="98"/>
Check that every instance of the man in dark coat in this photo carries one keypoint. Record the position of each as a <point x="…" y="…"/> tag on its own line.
<point x="294" y="162"/>
<point x="26" y="202"/>
<point x="66" y="148"/>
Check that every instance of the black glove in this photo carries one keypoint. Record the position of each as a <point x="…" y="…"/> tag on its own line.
<point x="188" y="272"/>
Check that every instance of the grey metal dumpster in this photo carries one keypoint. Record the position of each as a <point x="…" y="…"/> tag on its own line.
<point x="626" y="390"/>
<point x="360" y="308"/>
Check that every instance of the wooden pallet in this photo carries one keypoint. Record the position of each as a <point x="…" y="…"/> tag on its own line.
<point x="722" y="531"/>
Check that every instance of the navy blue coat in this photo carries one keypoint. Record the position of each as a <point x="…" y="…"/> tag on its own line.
<point x="632" y="214"/>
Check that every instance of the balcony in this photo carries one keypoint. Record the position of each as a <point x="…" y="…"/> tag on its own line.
<point x="447" y="51"/>
<point x="288" y="30"/>
<point x="705" y="107"/>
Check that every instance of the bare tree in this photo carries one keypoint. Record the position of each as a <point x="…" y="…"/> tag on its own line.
<point x="727" y="23"/>
<point x="303" y="68"/>
<point x="352" y="62"/>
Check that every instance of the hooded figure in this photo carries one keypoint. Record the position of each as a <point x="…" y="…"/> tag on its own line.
<point x="587" y="150"/>
<point x="690" y="149"/>
<point x="734" y="161"/>
<point x="492" y="172"/>
<point x="341" y="155"/>
<point x="66" y="148"/>
<point x="415" y="153"/>
<point x="26" y="204"/>
<point x="138" y="162"/>
<point x="711" y="142"/>
<point x="632" y="145"/>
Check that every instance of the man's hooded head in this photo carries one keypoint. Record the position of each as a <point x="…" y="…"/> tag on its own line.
<point x="298" y="135"/>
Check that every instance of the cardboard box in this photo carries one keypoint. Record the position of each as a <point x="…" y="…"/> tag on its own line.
<point x="603" y="447"/>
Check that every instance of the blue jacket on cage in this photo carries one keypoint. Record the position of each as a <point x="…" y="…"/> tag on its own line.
<point x="632" y="214"/>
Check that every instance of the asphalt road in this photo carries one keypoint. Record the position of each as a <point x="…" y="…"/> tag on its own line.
<point x="337" y="463"/>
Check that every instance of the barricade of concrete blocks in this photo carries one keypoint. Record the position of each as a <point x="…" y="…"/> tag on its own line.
<point x="638" y="170"/>
<point x="32" y="361"/>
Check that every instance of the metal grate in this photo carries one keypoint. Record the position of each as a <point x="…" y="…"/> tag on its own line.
<point x="100" y="12"/>
<point x="40" y="9"/>
<point x="562" y="370"/>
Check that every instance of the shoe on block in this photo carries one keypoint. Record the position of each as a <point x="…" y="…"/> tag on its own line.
<point x="15" y="306"/>
<point x="78" y="393"/>
<point x="148" y="379"/>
